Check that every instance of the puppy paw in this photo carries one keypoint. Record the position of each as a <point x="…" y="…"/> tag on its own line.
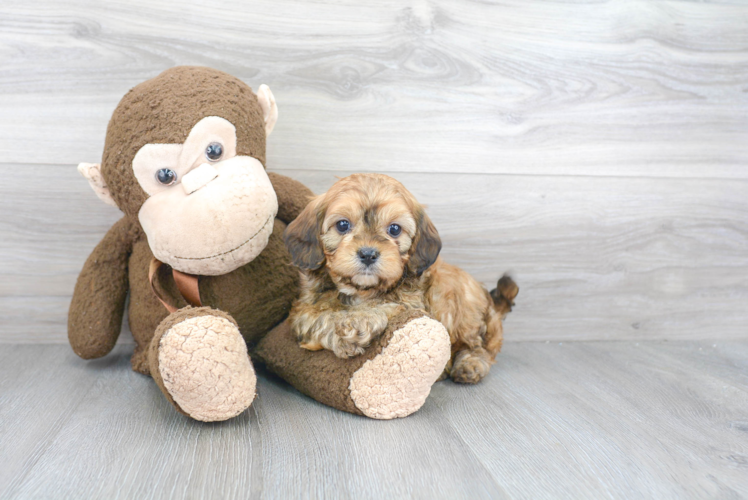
<point x="470" y="366"/>
<point x="355" y="330"/>
<point x="311" y="345"/>
<point x="345" y="348"/>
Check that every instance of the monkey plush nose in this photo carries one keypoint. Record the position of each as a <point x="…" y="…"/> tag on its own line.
<point x="368" y="255"/>
<point x="198" y="177"/>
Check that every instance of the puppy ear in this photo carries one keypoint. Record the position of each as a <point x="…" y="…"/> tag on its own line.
<point x="426" y="245"/>
<point x="302" y="237"/>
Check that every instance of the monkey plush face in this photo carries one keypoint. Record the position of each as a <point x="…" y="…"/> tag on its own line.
<point x="209" y="211"/>
<point x="184" y="155"/>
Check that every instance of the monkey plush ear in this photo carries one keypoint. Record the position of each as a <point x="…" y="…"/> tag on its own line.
<point x="302" y="238"/>
<point x="92" y="172"/>
<point x="426" y="247"/>
<point x="269" y="108"/>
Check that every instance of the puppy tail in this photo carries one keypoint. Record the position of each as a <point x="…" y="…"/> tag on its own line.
<point x="504" y="294"/>
<point x="503" y="300"/>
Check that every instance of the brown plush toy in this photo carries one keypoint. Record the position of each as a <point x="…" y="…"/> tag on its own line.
<point x="201" y="255"/>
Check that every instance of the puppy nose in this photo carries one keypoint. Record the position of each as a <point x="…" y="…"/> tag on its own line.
<point x="198" y="177"/>
<point x="368" y="255"/>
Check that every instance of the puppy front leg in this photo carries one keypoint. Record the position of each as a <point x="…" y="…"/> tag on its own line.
<point x="313" y="325"/>
<point x="344" y="332"/>
<point x="357" y="326"/>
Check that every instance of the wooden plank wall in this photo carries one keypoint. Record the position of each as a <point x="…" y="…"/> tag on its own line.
<point x="597" y="150"/>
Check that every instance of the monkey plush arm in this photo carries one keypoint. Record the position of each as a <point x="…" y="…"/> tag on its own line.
<point x="292" y="195"/>
<point x="95" y="316"/>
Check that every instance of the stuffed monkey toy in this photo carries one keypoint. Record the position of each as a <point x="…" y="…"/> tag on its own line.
<point x="200" y="253"/>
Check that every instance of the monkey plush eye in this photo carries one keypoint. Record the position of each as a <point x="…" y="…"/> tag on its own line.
<point x="214" y="151"/>
<point x="394" y="230"/>
<point x="343" y="226"/>
<point x="166" y="176"/>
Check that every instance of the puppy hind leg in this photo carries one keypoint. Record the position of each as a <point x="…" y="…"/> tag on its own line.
<point x="493" y="337"/>
<point x="502" y="298"/>
<point x="471" y="365"/>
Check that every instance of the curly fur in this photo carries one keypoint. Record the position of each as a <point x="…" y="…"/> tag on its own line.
<point x="347" y="301"/>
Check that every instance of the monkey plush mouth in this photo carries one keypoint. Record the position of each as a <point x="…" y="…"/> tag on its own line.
<point x="264" y="226"/>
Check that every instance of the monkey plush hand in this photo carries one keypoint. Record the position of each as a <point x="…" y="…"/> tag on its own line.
<point x="201" y="255"/>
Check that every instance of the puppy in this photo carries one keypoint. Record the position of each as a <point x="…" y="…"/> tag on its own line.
<point x="368" y="251"/>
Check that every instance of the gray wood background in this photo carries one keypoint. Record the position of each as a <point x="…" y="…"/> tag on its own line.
<point x="595" y="149"/>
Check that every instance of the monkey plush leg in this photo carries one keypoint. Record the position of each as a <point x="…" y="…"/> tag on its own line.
<point x="199" y="360"/>
<point x="391" y="379"/>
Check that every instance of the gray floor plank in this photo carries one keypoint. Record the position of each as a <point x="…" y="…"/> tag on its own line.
<point x="39" y="391"/>
<point x="553" y="420"/>
<point x="612" y="418"/>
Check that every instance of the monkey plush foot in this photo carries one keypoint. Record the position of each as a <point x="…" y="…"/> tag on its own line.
<point x="199" y="360"/>
<point x="391" y="379"/>
<point x="396" y="382"/>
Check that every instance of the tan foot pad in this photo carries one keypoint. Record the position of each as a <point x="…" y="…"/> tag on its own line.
<point x="204" y="366"/>
<point x="397" y="381"/>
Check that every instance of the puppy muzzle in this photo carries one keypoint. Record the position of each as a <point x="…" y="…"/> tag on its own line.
<point x="368" y="256"/>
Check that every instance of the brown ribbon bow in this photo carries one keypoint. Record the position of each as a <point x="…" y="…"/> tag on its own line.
<point x="186" y="284"/>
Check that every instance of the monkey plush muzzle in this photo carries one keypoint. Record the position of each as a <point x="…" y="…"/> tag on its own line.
<point x="217" y="218"/>
<point x="199" y="177"/>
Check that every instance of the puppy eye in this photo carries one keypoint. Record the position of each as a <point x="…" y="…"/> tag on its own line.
<point x="166" y="176"/>
<point x="214" y="151"/>
<point x="394" y="230"/>
<point x="343" y="226"/>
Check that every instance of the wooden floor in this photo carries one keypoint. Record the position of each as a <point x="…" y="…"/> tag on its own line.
<point x="552" y="420"/>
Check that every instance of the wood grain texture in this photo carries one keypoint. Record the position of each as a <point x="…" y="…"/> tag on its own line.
<point x="622" y="88"/>
<point x="630" y="118"/>
<point x="552" y="420"/>
<point x="595" y="257"/>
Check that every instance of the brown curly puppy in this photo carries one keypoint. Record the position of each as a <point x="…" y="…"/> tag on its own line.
<point x="367" y="251"/>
